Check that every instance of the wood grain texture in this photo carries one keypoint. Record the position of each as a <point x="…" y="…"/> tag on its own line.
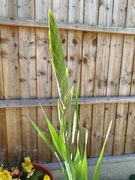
<point x="3" y="129"/>
<point x="113" y="86"/>
<point x="119" y="13"/>
<point x="44" y="71"/>
<point x="100" y="86"/>
<point x="75" y="14"/>
<point x="91" y="12"/>
<point x="12" y="90"/>
<point x="105" y="12"/>
<point x="130" y="21"/>
<point x="27" y="61"/>
<point x="130" y="133"/>
<point x="26" y="9"/>
<point x="58" y="7"/>
<point x="124" y="90"/>
<point x="87" y="80"/>
<point x="41" y="9"/>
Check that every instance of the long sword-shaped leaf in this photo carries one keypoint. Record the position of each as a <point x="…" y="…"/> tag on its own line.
<point x="53" y="133"/>
<point x="58" y="59"/>
<point x="97" y="169"/>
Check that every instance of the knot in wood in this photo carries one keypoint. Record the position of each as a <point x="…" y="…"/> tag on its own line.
<point x="70" y="72"/>
<point x="84" y="125"/>
<point x="94" y="42"/>
<point x="71" y="58"/>
<point x="85" y="60"/>
<point x="63" y="41"/>
<point x="74" y="41"/>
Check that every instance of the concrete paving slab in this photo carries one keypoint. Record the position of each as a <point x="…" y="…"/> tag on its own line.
<point x="111" y="171"/>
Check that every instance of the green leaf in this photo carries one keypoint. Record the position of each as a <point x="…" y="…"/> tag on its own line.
<point x="58" y="59"/>
<point x="98" y="166"/>
<point x="53" y="133"/>
<point x="42" y="135"/>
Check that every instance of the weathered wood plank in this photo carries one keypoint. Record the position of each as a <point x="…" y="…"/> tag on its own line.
<point x="75" y="13"/>
<point x="119" y="13"/>
<point x="27" y="62"/>
<point x="130" y="21"/>
<point x="124" y="90"/>
<point x="58" y="7"/>
<point x="113" y="86"/>
<point x="26" y="9"/>
<point x="100" y="86"/>
<point x="11" y="88"/>
<point x="91" y="12"/>
<point x="41" y="9"/>
<point x="12" y="8"/>
<point x="87" y="80"/>
<point x="43" y="89"/>
<point x="67" y="26"/>
<point x="105" y="18"/>
<point x="130" y="135"/>
<point x="3" y="129"/>
<point x="105" y="12"/>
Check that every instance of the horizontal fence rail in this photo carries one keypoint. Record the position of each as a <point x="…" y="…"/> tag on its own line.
<point x="53" y="101"/>
<point x="67" y="26"/>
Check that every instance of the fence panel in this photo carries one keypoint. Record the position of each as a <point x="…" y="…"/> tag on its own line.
<point x="98" y="42"/>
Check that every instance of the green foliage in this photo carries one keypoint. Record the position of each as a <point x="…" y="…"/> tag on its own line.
<point x="132" y="177"/>
<point x="97" y="170"/>
<point x="69" y="137"/>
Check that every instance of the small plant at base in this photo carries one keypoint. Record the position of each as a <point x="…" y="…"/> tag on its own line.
<point x="22" y="171"/>
<point x="72" y="152"/>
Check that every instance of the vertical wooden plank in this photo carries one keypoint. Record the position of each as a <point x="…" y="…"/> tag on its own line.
<point x="9" y="37"/>
<point x="87" y="80"/>
<point x="100" y="85"/>
<point x="88" y="65"/>
<point x="43" y="89"/>
<point x="41" y="9"/>
<point x="130" y="21"/>
<point x="122" y="109"/>
<point x="113" y="86"/>
<point x="118" y="19"/>
<point x="43" y="76"/>
<point x="101" y="73"/>
<point x="12" y="9"/>
<point x="130" y="134"/>
<point x="119" y="13"/>
<point x="26" y="9"/>
<point x="3" y="8"/>
<point x="124" y="90"/>
<point x="74" y="56"/>
<point x="3" y="129"/>
<point x="60" y="10"/>
<point x="105" y="12"/>
<point x="76" y="10"/>
<point x="27" y="61"/>
<point x="91" y="12"/>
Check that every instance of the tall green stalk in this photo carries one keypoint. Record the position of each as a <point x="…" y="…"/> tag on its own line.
<point x="72" y="153"/>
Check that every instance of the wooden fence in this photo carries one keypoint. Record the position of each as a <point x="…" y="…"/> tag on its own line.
<point x="99" y="43"/>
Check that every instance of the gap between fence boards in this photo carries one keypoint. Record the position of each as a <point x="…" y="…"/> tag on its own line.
<point x="53" y="101"/>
